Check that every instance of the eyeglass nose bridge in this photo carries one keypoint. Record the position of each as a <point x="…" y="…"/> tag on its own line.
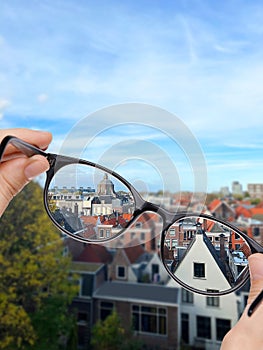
<point x="168" y="217"/>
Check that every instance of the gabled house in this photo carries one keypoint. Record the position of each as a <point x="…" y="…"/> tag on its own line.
<point x="135" y="264"/>
<point x="221" y="209"/>
<point x="153" y="271"/>
<point x="121" y="267"/>
<point x="205" y="319"/>
<point x="201" y="267"/>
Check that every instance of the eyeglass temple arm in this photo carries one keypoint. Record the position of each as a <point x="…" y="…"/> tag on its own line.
<point x="24" y="147"/>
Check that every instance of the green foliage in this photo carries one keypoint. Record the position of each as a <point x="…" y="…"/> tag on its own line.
<point x="56" y="334"/>
<point x="210" y="197"/>
<point x="238" y="197"/>
<point x="33" y="276"/>
<point x="110" y="335"/>
<point x="255" y="201"/>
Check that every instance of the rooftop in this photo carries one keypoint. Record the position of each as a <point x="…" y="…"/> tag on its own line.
<point x="84" y="267"/>
<point x="146" y="293"/>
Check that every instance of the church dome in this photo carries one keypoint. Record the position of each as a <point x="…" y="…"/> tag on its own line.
<point x="106" y="187"/>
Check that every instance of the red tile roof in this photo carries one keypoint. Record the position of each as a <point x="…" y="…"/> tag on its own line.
<point x="240" y="210"/>
<point x="134" y="251"/>
<point x="256" y="211"/>
<point x="214" y="204"/>
<point x="95" y="253"/>
<point x="248" y="212"/>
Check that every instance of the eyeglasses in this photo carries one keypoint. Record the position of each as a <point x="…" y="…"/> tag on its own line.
<point x="93" y="204"/>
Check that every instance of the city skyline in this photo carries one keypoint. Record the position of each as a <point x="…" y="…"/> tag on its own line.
<point x="61" y="61"/>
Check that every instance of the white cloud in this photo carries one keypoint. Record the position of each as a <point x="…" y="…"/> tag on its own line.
<point x="3" y="105"/>
<point x="42" y="98"/>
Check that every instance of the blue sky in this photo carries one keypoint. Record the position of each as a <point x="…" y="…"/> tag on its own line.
<point x="60" y="61"/>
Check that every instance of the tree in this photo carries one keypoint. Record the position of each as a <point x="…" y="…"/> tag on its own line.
<point x="255" y="201"/>
<point x="110" y="335"/>
<point x="33" y="276"/>
<point x="210" y="197"/>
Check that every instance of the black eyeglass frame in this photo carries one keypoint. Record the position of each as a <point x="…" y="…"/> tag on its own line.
<point x="57" y="162"/>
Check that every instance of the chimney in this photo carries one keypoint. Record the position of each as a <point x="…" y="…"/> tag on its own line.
<point x="76" y="209"/>
<point x="205" y="225"/>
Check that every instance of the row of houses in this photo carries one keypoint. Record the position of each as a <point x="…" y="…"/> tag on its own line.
<point x="128" y="276"/>
<point x="133" y="281"/>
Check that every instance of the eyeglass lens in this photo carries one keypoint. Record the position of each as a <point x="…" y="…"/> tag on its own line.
<point x="89" y="203"/>
<point x="205" y="255"/>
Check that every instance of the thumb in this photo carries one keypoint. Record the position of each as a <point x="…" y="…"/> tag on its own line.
<point x="16" y="173"/>
<point x="256" y="275"/>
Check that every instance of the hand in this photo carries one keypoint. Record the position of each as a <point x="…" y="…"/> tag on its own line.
<point x="247" y="333"/>
<point x="16" y="172"/>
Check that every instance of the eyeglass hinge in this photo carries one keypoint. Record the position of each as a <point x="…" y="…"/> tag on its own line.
<point x="51" y="159"/>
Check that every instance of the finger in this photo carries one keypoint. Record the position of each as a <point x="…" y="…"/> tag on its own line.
<point x="40" y="139"/>
<point x="36" y="165"/>
<point x="16" y="173"/>
<point x="256" y="275"/>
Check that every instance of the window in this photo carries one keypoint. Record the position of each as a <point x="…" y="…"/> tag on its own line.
<point x="237" y="236"/>
<point x="105" y="309"/>
<point x="121" y="272"/>
<point x="147" y="319"/>
<point x="256" y="231"/>
<point x="107" y="233"/>
<point x="187" y="297"/>
<point x="199" y="270"/>
<point x="212" y="301"/>
<point x="172" y="231"/>
<point x="65" y="251"/>
<point x="222" y="327"/>
<point x="168" y="243"/>
<point x="155" y="269"/>
<point x="133" y="235"/>
<point x="86" y="285"/>
<point x="188" y="235"/>
<point x="185" y="327"/>
<point x="174" y="243"/>
<point x="101" y="233"/>
<point x="82" y="318"/>
<point x="203" y="325"/>
<point x="153" y="243"/>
